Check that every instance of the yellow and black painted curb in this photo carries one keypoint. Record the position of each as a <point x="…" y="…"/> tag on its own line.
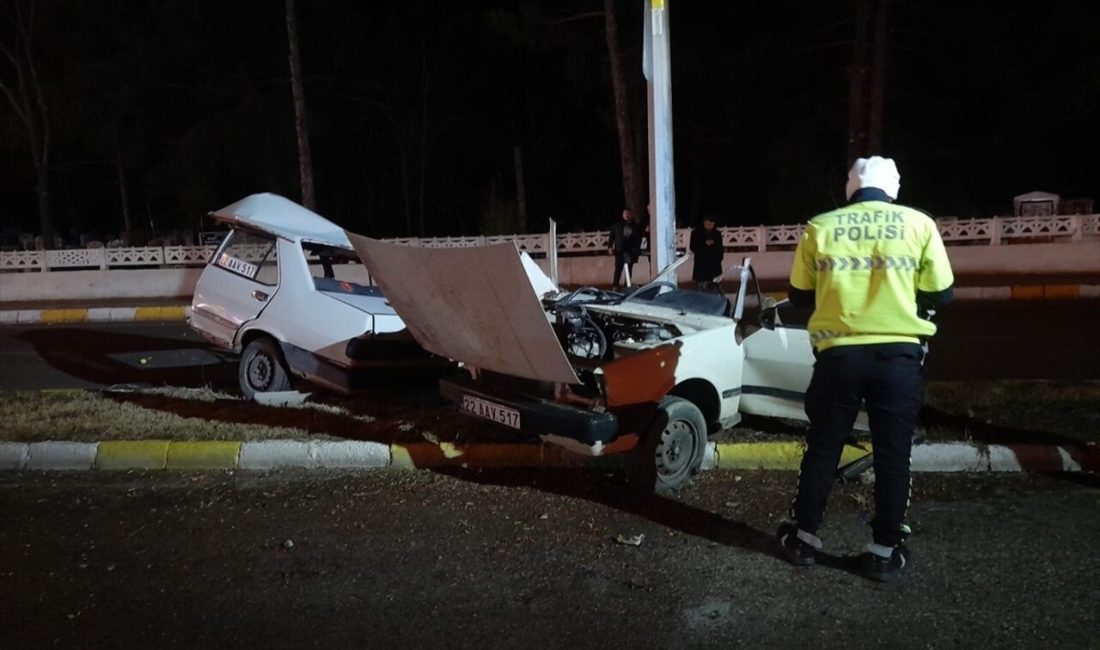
<point x="356" y="454"/>
<point x="94" y="315"/>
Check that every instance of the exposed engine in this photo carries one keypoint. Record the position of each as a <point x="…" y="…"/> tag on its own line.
<point x="586" y="334"/>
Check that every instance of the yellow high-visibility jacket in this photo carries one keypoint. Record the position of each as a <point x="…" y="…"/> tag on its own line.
<point x="866" y="263"/>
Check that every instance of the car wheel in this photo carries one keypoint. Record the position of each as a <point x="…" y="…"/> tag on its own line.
<point x="261" y="369"/>
<point x="671" y="453"/>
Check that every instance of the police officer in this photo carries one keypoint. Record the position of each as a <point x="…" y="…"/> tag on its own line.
<point x="870" y="270"/>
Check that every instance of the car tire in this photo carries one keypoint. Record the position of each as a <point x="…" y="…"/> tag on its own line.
<point x="671" y="453"/>
<point x="262" y="369"/>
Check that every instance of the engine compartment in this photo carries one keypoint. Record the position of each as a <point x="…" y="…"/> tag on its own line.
<point x="590" y="336"/>
<point x="587" y="335"/>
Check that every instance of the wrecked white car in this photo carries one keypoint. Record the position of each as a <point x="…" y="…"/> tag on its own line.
<point x="652" y="372"/>
<point x="285" y="291"/>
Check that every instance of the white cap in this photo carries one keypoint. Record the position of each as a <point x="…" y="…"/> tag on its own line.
<point x="875" y="171"/>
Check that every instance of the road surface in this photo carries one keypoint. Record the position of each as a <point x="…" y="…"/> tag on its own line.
<point x="391" y="559"/>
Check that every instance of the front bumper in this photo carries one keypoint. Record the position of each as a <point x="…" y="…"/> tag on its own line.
<point x="538" y="416"/>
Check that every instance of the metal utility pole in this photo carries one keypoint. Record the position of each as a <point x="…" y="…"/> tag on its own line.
<point x="662" y="189"/>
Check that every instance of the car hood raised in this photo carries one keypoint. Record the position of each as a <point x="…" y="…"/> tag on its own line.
<point x="476" y="305"/>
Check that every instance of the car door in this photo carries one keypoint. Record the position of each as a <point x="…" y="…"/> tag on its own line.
<point x="779" y="363"/>
<point x="236" y="286"/>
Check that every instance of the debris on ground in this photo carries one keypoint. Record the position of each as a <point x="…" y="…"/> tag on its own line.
<point x="634" y="540"/>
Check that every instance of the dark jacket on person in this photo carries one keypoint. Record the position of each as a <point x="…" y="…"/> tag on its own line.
<point x="626" y="238"/>
<point x="708" y="258"/>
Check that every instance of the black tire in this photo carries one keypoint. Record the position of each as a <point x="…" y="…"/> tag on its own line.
<point x="671" y="453"/>
<point x="262" y="369"/>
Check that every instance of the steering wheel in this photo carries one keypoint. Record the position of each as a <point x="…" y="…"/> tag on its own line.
<point x="598" y="295"/>
<point x="587" y="336"/>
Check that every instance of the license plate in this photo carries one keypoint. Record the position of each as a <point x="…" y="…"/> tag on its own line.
<point x="485" y="409"/>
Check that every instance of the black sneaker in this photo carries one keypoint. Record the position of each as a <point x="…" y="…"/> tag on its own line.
<point x="796" y="550"/>
<point x="886" y="569"/>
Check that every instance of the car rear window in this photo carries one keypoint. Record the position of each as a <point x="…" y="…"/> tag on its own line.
<point x="249" y="254"/>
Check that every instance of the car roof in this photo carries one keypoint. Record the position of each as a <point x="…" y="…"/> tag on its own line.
<point x="279" y="216"/>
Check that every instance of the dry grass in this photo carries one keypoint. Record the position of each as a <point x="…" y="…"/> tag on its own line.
<point x="985" y="411"/>
<point x="30" y="416"/>
<point x="1024" y="410"/>
<point x="203" y="414"/>
<point x="1006" y="411"/>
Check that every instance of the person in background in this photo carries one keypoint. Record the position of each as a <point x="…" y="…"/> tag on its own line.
<point x="625" y="243"/>
<point x="706" y="247"/>
<point x="870" y="270"/>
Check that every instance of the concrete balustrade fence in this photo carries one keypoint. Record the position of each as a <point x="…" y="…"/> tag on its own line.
<point x="1043" y="254"/>
<point x="994" y="231"/>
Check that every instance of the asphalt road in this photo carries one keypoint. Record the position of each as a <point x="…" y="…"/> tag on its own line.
<point x="414" y="559"/>
<point x="978" y="340"/>
<point x="98" y="355"/>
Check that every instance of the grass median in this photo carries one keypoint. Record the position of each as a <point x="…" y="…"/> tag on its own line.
<point x="203" y="414"/>
<point x="987" y="412"/>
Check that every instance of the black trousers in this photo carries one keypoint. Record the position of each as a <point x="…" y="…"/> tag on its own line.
<point x="623" y="257"/>
<point x="886" y="378"/>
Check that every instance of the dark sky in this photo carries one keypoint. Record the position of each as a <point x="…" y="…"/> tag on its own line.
<point x="415" y="108"/>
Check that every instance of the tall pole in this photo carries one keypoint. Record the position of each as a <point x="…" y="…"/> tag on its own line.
<point x="301" y="124"/>
<point x="658" y="73"/>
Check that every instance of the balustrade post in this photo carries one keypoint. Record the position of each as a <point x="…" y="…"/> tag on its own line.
<point x="1078" y="227"/>
<point x="995" y="232"/>
<point x="761" y="238"/>
<point x="103" y="258"/>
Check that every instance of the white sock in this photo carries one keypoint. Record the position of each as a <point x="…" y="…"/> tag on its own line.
<point x="882" y="551"/>
<point x="809" y="538"/>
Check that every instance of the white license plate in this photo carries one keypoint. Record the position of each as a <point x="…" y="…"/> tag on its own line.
<point x="490" y="411"/>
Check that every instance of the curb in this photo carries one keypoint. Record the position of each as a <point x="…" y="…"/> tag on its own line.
<point x="95" y="315"/>
<point x="355" y="454"/>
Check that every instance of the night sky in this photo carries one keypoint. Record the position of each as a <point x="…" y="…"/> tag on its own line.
<point x="415" y="108"/>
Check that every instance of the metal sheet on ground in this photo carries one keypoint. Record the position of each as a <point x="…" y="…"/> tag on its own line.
<point x="474" y="305"/>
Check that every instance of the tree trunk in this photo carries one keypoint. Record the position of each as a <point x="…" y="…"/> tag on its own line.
<point x="632" y="190"/>
<point x="878" y="79"/>
<point x="29" y="104"/>
<point x="424" y="86"/>
<point x="521" y="191"/>
<point x="123" y="193"/>
<point x="857" y="85"/>
<point x="405" y="190"/>
<point x="45" y="214"/>
<point x="301" y="124"/>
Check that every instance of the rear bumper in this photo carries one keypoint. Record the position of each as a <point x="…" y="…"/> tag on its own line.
<point x="538" y="416"/>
